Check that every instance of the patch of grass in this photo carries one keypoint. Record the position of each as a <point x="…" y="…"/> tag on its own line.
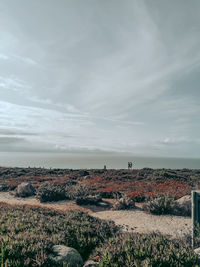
<point x="123" y="203"/>
<point x="160" y="205"/>
<point x="51" y="192"/>
<point x="167" y="205"/>
<point x="28" y="234"/>
<point x="152" y="250"/>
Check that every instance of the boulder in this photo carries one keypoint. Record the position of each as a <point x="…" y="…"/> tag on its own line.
<point x="183" y="205"/>
<point x="66" y="256"/>
<point x="197" y="251"/>
<point x="91" y="263"/>
<point x="25" y="190"/>
<point x="185" y="200"/>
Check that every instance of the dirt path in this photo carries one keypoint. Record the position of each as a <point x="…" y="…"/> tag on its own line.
<point x="134" y="220"/>
<point x="139" y="222"/>
<point x="6" y="197"/>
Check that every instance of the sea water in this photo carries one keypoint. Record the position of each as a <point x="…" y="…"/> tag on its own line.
<point x="91" y="160"/>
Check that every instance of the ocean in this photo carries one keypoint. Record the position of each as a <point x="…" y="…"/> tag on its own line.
<point x="90" y="160"/>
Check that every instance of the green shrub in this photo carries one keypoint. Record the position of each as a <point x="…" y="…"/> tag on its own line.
<point x="76" y="191"/>
<point x="28" y="234"/>
<point x="88" y="200"/>
<point x="160" y="205"/>
<point x="49" y="192"/>
<point x="167" y="205"/>
<point x="151" y="250"/>
<point x="123" y="203"/>
<point x="4" y="188"/>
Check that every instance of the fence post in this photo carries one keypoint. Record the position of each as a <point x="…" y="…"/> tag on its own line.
<point x="195" y="198"/>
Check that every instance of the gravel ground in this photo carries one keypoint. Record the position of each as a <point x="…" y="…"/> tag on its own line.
<point x="141" y="222"/>
<point x="65" y="206"/>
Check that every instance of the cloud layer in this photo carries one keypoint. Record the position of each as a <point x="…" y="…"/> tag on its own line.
<point x="100" y="75"/>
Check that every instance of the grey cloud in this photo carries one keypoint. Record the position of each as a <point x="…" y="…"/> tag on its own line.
<point x="106" y="75"/>
<point x="10" y="140"/>
<point x="15" y="133"/>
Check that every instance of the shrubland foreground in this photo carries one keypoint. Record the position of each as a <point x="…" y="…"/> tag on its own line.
<point x="28" y="234"/>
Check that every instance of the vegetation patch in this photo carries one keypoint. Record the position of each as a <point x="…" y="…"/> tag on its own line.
<point x="160" y="205"/>
<point x="167" y="205"/>
<point x="27" y="235"/>
<point x="51" y="192"/>
<point x="123" y="203"/>
<point x="141" y="184"/>
<point x="146" y="251"/>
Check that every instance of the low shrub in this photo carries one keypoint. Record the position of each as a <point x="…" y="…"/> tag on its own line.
<point x="105" y="194"/>
<point x="52" y="192"/>
<point x="4" y="188"/>
<point x="145" y="251"/>
<point x="28" y="234"/>
<point x="76" y="191"/>
<point x="123" y="203"/>
<point x="166" y="205"/>
<point x="136" y="196"/>
<point x="49" y="192"/>
<point x="160" y="205"/>
<point x="88" y="200"/>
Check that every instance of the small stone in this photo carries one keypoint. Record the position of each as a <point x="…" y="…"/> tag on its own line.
<point x="91" y="263"/>
<point x="197" y="251"/>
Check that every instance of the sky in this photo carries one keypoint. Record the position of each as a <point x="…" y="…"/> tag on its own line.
<point x="100" y="75"/>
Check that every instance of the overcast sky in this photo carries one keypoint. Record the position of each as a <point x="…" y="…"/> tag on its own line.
<point x="100" y="75"/>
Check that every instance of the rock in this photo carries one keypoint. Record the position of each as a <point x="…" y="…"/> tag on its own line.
<point x="104" y="204"/>
<point x="183" y="205"/>
<point x="66" y="255"/>
<point x="186" y="200"/>
<point x="197" y="251"/>
<point x="25" y="190"/>
<point x="91" y="263"/>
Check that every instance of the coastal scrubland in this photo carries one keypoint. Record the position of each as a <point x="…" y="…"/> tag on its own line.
<point x="27" y="233"/>
<point x="137" y="184"/>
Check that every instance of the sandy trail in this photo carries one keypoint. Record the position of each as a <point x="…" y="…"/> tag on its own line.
<point x="140" y="222"/>
<point x="134" y="220"/>
<point x="64" y="206"/>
